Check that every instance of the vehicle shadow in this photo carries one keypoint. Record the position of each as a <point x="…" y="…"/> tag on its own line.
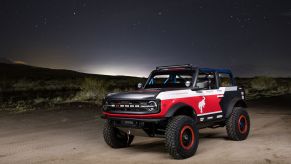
<point x="212" y="135"/>
<point x="158" y="145"/>
<point x="153" y="146"/>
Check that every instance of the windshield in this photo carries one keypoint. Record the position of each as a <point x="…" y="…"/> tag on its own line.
<point x="170" y="79"/>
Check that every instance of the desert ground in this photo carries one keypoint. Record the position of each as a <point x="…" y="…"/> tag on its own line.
<point x="75" y="136"/>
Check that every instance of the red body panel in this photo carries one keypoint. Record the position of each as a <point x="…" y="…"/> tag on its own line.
<point x="211" y="103"/>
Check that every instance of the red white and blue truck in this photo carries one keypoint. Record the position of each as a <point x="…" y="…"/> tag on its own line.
<point x="174" y="103"/>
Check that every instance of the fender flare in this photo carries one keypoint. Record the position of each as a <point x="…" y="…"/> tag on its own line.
<point x="233" y="103"/>
<point x="179" y="106"/>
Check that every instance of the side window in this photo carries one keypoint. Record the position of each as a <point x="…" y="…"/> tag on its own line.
<point x="225" y="80"/>
<point x="183" y="78"/>
<point x="206" y="80"/>
<point x="172" y="80"/>
<point x="158" y="80"/>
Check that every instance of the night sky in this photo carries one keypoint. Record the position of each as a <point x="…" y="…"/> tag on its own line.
<point x="131" y="37"/>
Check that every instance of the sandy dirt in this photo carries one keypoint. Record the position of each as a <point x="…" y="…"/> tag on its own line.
<point x="75" y="136"/>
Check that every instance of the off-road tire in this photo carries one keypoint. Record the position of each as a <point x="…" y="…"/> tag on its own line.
<point x="116" y="138"/>
<point x="174" y="137"/>
<point x="238" y="124"/>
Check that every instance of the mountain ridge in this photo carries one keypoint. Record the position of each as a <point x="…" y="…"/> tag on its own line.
<point x="19" y="71"/>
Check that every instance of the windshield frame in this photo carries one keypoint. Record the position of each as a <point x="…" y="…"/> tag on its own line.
<point x="194" y="73"/>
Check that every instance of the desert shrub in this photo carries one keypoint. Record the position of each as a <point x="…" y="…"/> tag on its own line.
<point x="282" y="89"/>
<point x="22" y="106"/>
<point x="92" y="89"/>
<point x="39" y="100"/>
<point x="289" y="87"/>
<point x="115" y="90"/>
<point x="24" y="85"/>
<point x="37" y="85"/>
<point x="263" y="83"/>
<point x="58" y="85"/>
<point x="4" y="85"/>
<point x="57" y="100"/>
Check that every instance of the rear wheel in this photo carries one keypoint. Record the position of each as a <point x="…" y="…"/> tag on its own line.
<point x="238" y="124"/>
<point x="116" y="138"/>
<point x="182" y="137"/>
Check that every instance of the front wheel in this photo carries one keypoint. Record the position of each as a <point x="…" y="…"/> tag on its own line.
<point x="238" y="124"/>
<point x="116" y="138"/>
<point x="182" y="137"/>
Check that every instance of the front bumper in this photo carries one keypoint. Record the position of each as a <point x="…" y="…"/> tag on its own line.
<point x="139" y="123"/>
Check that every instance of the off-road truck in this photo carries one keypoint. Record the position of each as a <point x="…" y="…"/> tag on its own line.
<point x="175" y="102"/>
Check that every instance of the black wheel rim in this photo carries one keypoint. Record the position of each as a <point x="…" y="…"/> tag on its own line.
<point x="242" y="124"/>
<point x="187" y="137"/>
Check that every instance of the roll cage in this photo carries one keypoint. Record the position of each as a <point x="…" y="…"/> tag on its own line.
<point x="196" y="71"/>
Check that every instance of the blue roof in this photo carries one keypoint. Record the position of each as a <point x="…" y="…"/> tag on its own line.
<point x="215" y="70"/>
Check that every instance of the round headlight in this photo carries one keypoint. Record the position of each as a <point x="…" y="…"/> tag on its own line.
<point x="105" y="105"/>
<point x="152" y="105"/>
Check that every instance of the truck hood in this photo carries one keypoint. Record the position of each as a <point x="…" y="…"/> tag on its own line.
<point x="143" y="94"/>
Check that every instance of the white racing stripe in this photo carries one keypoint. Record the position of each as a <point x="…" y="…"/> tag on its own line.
<point x="189" y="93"/>
<point x="209" y="113"/>
<point x="233" y="88"/>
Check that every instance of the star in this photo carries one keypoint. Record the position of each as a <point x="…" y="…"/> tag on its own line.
<point x="44" y="20"/>
<point x="238" y="19"/>
<point x="133" y="26"/>
<point x="35" y="27"/>
<point x="75" y="12"/>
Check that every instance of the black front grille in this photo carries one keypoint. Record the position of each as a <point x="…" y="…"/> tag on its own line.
<point x="129" y="107"/>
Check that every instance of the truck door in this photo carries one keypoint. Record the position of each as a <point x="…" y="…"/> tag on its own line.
<point x="209" y="96"/>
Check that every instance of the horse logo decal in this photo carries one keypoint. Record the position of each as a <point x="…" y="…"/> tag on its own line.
<point x="201" y="104"/>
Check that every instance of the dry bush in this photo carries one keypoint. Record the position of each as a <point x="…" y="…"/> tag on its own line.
<point x="24" y="85"/>
<point x="92" y="89"/>
<point x="262" y="83"/>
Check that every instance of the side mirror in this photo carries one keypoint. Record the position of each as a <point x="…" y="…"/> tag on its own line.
<point x="195" y="88"/>
<point x="201" y="85"/>
<point x="187" y="83"/>
<point x="139" y="85"/>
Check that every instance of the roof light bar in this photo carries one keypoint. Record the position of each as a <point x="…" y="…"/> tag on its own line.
<point x="174" y="66"/>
